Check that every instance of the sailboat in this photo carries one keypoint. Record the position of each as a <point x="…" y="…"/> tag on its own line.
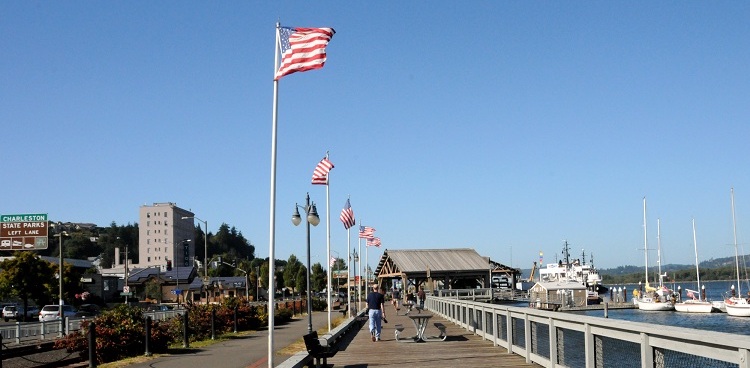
<point x="654" y="299"/>
<point x="694" y="305"/>
<point x="736" y="305"/>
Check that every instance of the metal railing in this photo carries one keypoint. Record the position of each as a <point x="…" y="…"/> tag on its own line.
<point x="25" y="333"/>
<point x="556" y="339"/>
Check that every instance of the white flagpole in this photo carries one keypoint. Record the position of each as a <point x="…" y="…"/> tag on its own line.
<point x="328" y="240"/>
<point x="367" y="263"/>
<point x="348" y="269"/>
<point x="359" y="289"/>
<point x="272" y="235"/>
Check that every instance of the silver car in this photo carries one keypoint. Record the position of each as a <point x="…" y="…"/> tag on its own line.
<point x="51" y="312"/>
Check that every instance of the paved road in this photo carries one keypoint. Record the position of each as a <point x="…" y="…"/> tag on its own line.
<point x="249" y="350"/>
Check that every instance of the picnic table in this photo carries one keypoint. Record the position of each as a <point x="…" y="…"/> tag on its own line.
<point x="420" y="323"/>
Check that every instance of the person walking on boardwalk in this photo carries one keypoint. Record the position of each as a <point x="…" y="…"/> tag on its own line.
<point x="376" y="307"/>
<point x="395" y="299"/>
<point x="421" y="297"/>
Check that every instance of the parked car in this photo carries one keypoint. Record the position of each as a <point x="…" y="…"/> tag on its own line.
<point x="88" y="310"/>
<point x="51" y="312"/>
<point x="158" y="308"/>
<point x="10" y="312"/>
<point x="30" y="314"/>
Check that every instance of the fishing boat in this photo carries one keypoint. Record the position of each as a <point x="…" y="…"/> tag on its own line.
<point x="694" y="305"/>
<point x="736" y="305"/>
<point x="654" y="299"/>
<point x="575" y="271"/>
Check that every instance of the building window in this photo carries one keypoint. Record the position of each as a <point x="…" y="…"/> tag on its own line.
<point x="149" y="259"/>
<point x="165" y="213"/>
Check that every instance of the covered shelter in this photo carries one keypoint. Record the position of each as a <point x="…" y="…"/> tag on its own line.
<point x="435" y="269"/>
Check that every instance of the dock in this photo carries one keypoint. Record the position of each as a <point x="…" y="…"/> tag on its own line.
<point x="461" y="348"/>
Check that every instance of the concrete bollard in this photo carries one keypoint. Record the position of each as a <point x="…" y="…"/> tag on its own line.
<point x="213" y="323"/>
<point x="185" y="333"/>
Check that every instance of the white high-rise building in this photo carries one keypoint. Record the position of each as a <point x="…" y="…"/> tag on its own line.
<point x="163" y="235"/>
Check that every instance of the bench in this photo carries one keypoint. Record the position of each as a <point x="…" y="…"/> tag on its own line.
<point x="318" y="351"/>
<point x="441" y="327"/>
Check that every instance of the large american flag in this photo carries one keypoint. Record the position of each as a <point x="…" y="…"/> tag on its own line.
<point x="347" y="215"/>
<point x="373" y="242"/>
<point x="332" y="261"/>
<point x="302" y="49"/>
<point x="320" y="174"/>
<point x="366" y="232"/>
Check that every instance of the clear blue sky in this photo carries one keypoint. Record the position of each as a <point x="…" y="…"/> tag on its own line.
<point x="507" y="127"/>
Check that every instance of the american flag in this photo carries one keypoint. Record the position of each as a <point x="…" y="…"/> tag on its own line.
<point x="373" y="242"/>
<point x="320" y="174"/>
<point x="302" y="49"/>
<point x="691" y="293"/>
<point x="366" y="232"/>
<point x="347" y="216"/>
<point x="332" y="261"/>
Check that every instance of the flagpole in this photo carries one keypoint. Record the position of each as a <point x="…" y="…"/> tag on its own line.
<point x="348" y="268"/>
<point x="272" y="230"/>
<point x="328" y="241"/>
<point x="359" y="289"/>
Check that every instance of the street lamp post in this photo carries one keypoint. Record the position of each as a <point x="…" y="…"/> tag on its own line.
<point x="205" y="243"/>
<point x="312" y="218"/>
<point x="60" y="234"/>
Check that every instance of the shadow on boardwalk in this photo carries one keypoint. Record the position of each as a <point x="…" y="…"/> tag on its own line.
<point x="461" y="348"/>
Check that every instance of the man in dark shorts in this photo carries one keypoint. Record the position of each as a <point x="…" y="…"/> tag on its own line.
<point x="376" y="305"/>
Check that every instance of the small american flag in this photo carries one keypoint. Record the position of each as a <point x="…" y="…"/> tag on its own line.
<point x="320" y="174"/>
<point x="691" y="293"/>
<point x="373" y="242"/>
<point x="332" y="261"/>
<point x="366" y="232"/>
<point x="302" y="49"/>
<point x="347" y="215"/>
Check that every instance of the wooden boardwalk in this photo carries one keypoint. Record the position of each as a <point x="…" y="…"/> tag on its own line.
<point x="461" y="348"/>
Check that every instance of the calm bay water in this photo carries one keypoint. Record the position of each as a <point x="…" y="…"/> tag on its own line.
<point x="719" y="322"/>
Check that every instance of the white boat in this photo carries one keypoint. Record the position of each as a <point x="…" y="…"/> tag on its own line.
<point x="575" y="271"/>
<point x="654" y="299"/>
<point x="736" y="305"/>
<point x="694" y="305"/>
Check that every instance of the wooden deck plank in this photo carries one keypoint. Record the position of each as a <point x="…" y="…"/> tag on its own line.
<point x="461" y="348"/>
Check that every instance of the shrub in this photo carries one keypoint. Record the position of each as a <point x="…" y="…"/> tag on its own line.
<point x="119" y="334"/>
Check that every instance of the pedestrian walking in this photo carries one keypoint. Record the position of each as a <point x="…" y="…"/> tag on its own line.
<point x="376" y="307"/>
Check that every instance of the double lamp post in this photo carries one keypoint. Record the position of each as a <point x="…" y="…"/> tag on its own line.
<point x="312" y="218"/>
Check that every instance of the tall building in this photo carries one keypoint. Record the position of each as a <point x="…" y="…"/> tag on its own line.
<point x="164" y="236"/>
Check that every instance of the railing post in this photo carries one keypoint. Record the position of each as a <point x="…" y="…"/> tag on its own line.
<point x="148" y="335"/>
<point x="553" y="344"/>
<point x="92" y="345"/>
<point x="213" y="323"/>
<point x="235" y="319"/>
<point x="647" y="353"/>
<point x="1" y="350"/>
<point x="185" y="334"/>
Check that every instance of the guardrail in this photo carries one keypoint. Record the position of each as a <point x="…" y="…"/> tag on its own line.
<point x="26" y="333"/>
<point x="557" y="339"/>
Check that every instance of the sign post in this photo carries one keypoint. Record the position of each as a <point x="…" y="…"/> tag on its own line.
<point x="23" y="232"/>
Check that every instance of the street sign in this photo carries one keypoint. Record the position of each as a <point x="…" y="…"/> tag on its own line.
<point x="126" y="289"/>
<point x="126" y="294"/>
<point x="177" y="291"/>
<point x="23" y="232"/>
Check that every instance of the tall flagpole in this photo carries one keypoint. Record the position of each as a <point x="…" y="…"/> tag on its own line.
<point x="348" y="269"/>
<point x="359" y="289"/>
<point x="272" y="230"/>
<point x="328" y="241"/>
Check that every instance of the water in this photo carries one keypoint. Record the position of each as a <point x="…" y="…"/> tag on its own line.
<point x="719" y="322"/>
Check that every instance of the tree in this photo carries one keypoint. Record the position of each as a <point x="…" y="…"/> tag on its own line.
<point x="293" y="265"/>
<point x="301" y="279"/>
<point x="319" y="278"/>
<point x="23" y="275"/>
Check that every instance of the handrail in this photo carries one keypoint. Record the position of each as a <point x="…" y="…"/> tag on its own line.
<point x="540" y="335"/>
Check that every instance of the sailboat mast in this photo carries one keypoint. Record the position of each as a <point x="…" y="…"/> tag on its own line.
<point x="697" y="272"/>
<point x="736" y="255"/>
<point x="658" y="249"/>
<point x="645" y="238"/>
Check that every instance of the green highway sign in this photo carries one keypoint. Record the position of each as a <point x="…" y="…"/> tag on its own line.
<point x="23" y="231"/>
